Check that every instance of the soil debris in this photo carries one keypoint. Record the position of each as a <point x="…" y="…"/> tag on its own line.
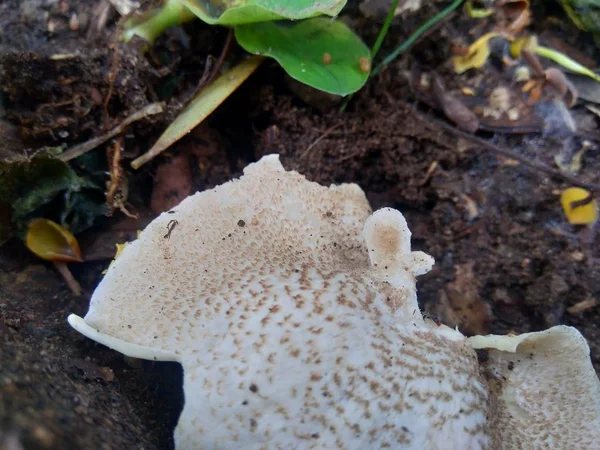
<point x="92" y="372"/>
<point x="460" y="304"/>
<point x="172" y="182"/>
<point x="582" y="306"/>
<point x="44" y="403"/>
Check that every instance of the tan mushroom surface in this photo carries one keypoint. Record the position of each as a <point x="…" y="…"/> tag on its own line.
<point x="293" y="310"/>
<point x="543" y="388"/>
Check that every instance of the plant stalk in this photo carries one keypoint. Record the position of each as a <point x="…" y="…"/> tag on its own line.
<point x="171" y="14"/>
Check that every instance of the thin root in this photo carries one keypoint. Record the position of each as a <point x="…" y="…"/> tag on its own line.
<point x="319" y="139"/>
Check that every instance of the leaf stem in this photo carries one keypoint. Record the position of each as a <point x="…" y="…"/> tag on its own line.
<point x="70" y="280"/>
<point x="406" y="44"/>
<point x="377" y="45"/>
<point x="384" y="29"/>
<point x="80" y="149"/>
<point x="416" y="35"/>
<point x="203" y="104"/>
<point x="172" y="13"/>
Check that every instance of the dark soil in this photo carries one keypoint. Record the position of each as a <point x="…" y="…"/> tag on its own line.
<point x="466" y="206"/>
<point x="60" y="391"/>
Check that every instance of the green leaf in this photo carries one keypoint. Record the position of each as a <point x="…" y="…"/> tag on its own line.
<point x="565" y="61"/>
<point x="43" y="186"/>
<point x="237" y="12"/>
<point x="82" y="208"/>
<point x="319" y="52"/>
<point x="152" y="24"/>
<point x="226" y="12"/>
<point x="584" y="13"/>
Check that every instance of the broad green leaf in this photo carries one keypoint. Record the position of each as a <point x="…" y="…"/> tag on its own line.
<point x="319" y="52"/>
<point x="205" y="102"/>
<point x="237" y="12"/>
<point x="43" y="186"/>
<point x="226" y="12"/>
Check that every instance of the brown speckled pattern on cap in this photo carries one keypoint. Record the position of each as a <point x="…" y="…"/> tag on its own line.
<point x="293" y="310"/>
<point x="546" y="394"/>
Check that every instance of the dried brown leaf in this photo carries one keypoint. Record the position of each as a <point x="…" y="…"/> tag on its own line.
<point x="173" y="182"/>
<point x="454" y="109"/>
<point x="460" y="304"/>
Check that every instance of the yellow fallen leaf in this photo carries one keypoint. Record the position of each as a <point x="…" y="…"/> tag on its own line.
<point x="521" y="43"/>
<point x="120" y="248"/>
<point x="477" y="54"/>
<point x="477" y="13"/>
<point x="584" y="214"/>
<point x="52" y="242"/>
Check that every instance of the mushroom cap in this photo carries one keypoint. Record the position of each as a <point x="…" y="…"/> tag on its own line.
<point x="293" y="311"/>
<point x="291" y="333"/>
<point x="543" y="388"/>
<point x="220" y="244"/>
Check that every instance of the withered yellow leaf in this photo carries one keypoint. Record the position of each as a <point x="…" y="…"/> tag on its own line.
<point x="584" y="213"/>
<point x="52" y="242"/>
<point x="477" y="54"/>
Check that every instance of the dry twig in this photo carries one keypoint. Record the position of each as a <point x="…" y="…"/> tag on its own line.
<point x="80" y="149"/>
<point x="100" y="16"/>
<point x="539" y="167"/>
<point x="114" y="68"/>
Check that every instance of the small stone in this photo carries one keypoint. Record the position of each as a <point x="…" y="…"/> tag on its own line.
<point x="43" y="436"/>
<point x="74" y="22"/>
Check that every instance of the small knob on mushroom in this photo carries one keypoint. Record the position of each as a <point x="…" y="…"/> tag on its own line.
<point x="387" y="237"/>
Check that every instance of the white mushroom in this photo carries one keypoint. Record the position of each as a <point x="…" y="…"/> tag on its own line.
<point x="544" y="390"/>
<point x="293" y="311"/>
